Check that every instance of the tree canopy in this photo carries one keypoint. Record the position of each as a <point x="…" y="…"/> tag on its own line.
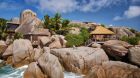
<point x="3" y="28"/>
<point x="56" y="23"/>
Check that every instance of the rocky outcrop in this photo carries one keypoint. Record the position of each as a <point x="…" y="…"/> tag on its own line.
<point x="62" y="40"/>
<point x="28" y="22"/>
<point x="19" y="53"/>
<point x="47" y="66"/>
<point x="37" y="53"/>
<point x="122" y="31"/>
<point x="46" y="49"/>
<point x="96" y="45"/>
<point x="114" y="69"/>
<point x="116" y="49"/>
<point x="134" y="55"/>
<point x="33" y="71"/>
<point x="50" y="66"/>
<point x="22" y="52"/>
<point x="75" y="30"/>
<point x="57" y="41"/>
<point x="3" y="47"/>
<point x="44" y="40"/>
<point x="8" y="52"/>
<point x="80" y="59"/>
<point x="2" y="63"/>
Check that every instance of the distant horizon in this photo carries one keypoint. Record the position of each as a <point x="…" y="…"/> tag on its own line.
<point x="109" y="12"/>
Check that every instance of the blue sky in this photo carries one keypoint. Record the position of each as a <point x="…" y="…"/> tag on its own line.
<point x="108" y="12"/>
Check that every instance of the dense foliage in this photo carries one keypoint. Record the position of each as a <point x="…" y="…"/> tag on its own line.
<point x="56" y="24"/>
<point x="18" y="35"/>
<point x="74" y="39"/>
<point x="3" y="28"/>
<point x="77" y="40"/>
<point x="133" y="30"/>
<point x="131" y="40"/>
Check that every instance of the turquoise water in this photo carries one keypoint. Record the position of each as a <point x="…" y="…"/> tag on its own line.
<point x="9" y="72"/>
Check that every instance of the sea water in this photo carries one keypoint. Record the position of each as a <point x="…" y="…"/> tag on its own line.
<point x="9" y="72"/>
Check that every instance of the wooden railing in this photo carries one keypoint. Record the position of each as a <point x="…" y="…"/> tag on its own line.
<point x="100" y="41"/>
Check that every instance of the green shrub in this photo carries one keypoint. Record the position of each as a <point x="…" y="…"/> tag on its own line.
<point x="73" y="39"/>
<point x="18" y="35"/>
<point x="77" y="40"/>
<point x="138" y="34"/>
<point x="85" y="34"/>
<point x="131" y="40"/>
<point x="73" y="25"/>
<point x="62" y="32"/>
<point x="125" y="38"/>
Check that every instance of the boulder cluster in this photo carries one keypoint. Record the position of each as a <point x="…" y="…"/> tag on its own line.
<point x="113" y="59"/>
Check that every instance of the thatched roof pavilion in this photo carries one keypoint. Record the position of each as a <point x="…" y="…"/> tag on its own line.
<point x="102" y="34"/>
<point x="100" y="30"/>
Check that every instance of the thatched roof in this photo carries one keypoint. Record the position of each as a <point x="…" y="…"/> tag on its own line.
<point x="101" y="30"/>
<point x="40" y="31"/>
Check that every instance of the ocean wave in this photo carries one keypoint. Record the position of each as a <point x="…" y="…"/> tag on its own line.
<point x="9" y="72"/>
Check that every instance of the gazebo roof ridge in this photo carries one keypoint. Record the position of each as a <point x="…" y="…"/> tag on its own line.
<point x="102" y="30"/>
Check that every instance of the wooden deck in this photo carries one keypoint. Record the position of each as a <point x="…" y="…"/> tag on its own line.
<point x="90" y="42"/>
<point x="98" y="42"/>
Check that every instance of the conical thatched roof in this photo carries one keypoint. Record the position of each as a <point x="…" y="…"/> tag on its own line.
<point x="40" y="31"/>
<point x="101" y="30"/>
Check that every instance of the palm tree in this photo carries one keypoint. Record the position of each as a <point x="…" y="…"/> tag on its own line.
<point x="3" y="28"/>
<point x="55" y="24"/>
<point x="57" y="21"/>
<point x="65" y="23"/>
<point x="47" y="21"/>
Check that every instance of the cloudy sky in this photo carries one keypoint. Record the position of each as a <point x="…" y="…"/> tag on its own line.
<point x="108" y="12"/>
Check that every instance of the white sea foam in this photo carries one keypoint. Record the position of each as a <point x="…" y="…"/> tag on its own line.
<point x="72" y="75"/>
<point x="9" y="72"/>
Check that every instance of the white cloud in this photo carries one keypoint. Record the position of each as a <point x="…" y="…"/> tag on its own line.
<point x="132" y="12"/>
<point x="58" y="6"/>
<point x="117" y="18"/>
<point x="9" y="5"/>
<point x="135" y="1"/>
<point x="31" y="1"/>
<point x="64" y="6"/>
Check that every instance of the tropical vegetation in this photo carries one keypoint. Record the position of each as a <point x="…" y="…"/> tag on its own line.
<point x="18" y="35"/>
<point x="131" y="40"/>
<point x="77" y="40"/>
<point x="3" y="28"/>
<point x="56" y="24"/>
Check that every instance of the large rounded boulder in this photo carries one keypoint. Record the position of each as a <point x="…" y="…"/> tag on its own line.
<point x="33" y="71"/>
<point x="122" y="31"/>
<point x="81" y="59"/>
<point x="8" y="52"/>
<point x="22" y="52"/>
<point x="44" y="40"/>
<point x="114" y="69"/>
<point x="50" y="65"/>
<point x="57" y="41"/>
<point x="134" y="55"/>
<point x="116" y="49"/>
<point x="37" y="53"/>
<point x="3" y="47"/>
